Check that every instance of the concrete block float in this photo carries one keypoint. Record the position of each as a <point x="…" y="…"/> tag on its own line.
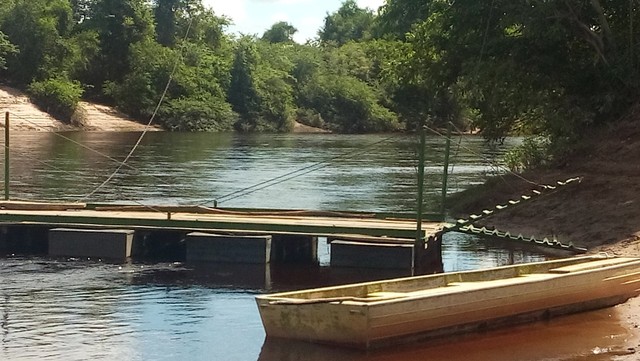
<point x="371" y="255"/>
<point x="207" y="247"/>
<point x="98" y="243"/>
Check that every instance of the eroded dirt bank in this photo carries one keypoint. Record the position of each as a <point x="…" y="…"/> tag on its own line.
<point x="601" y="212"/>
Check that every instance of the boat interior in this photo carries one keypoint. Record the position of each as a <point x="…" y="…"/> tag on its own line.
<point x="451" y="282"/>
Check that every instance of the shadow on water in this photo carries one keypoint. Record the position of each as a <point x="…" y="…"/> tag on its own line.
<point x="258" y="278"/>
<point x="596" y="335"/>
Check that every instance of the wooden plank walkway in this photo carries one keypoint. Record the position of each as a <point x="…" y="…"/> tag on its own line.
<point x="327" y="226"/>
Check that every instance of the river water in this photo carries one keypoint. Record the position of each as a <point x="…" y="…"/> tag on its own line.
<point x="75" y="309"/>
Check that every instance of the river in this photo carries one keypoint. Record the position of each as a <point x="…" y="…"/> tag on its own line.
<point x="75" y="309"/>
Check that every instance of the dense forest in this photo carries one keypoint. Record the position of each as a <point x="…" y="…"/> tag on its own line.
<point x="550" y="68"/>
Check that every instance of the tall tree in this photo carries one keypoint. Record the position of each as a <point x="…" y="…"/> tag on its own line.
<point x="543" y="66"/>
<point x="39" y="28"/>
<point x="260" y="90"/>
<point x="350" y="22"/>
<point x="119" y="24"/>
<point x="242" y="92"/>
<point x="397" y="17"/>
<point x="165" y="15"/>
<point x="280" y="32"/>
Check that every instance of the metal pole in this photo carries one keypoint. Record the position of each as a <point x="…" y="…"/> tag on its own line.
<point x="418" y="248"/>
<point x="6" y="156"/>
<point x="445" y="174"/>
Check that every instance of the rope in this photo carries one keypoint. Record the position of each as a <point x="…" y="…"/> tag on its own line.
<point x="495" y="164"/>
<point x="455" y="157"/>
<point x="291" y="175"/>
<point x="58" y="169"/>
<point x="106" y="156"/>
<point x="146" y="128"/>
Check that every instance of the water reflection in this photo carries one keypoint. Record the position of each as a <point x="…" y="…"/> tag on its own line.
<point x="462" y="252"/>
<point x="355" y="172"/>
<point x="566" y="338"/>
<point x="56" y="309"/>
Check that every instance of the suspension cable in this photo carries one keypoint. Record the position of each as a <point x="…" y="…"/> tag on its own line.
<point x="495" y="164"/>
<point x="153" y="116"/>
<point x="64" y="171"/>
<point x="291" y="175"/>
<point x="95" y="151"/>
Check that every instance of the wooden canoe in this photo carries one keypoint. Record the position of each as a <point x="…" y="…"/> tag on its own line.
<point x="400" y="310"/>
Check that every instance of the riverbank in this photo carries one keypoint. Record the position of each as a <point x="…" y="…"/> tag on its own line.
<point x="601" y="212"/>
<point x="25" y="116"/>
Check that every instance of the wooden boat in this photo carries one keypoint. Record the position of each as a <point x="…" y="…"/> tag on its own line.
<point x="380" y="313"/>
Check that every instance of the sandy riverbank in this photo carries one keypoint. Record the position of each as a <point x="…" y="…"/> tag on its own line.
<point x="24" y="115"/>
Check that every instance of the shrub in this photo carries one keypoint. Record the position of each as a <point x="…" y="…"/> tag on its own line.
<point x="193" y="115"/>
<point x="310" y="117"/>
<point x="533" y="152"/>
<point x="56" y="96"/>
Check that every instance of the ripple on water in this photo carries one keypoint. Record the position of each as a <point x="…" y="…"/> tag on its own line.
<point x="78" y="310"/>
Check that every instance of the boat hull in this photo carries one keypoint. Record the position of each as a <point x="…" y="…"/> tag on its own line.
<point x="446" y="306"/>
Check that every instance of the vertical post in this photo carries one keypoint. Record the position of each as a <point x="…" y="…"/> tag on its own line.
<point x="418" y="248"/>
<point x="6" y="156"/>
<point x="445" y="174"/>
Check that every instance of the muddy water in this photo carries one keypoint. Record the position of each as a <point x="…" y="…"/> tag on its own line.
<point x="76" y="309"/>
<point x="592" y="336"/>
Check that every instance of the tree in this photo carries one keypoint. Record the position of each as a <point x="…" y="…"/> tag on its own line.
<point x="552" y="68"/>
<point x="347" y="104"/>
<point x="82" y="10"/>
<point x="397" y="17"/>
<point x="38" y="28"/>
<point x="119" y="24"/>
<point x="6" y="48"/>
<point x="180" y="19"/>
<point x="350" y="22"/>
<point x="165" y="15"/>
<point x="56" y="96"/>
<point x="260" y="90"/>
<point x="280" y="32"/>
<point x="242" y="93"/>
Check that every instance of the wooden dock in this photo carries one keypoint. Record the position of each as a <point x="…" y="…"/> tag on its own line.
<point x="285" y="226"/>
<point x="288" y="224"/>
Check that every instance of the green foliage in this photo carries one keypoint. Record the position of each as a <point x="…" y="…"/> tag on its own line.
<point x="349" y="23"/>
<point x="200" y="25"/>
<point x="38" y="28"/>
<point x="119" y="25"/>
<point x="397" y="17"/>
<point x="310" y="117"/>
<point x="139" y="92"/>
<point x="197" y="115"/>
<point x="280" y="32"/>
<point x="242" y="92"/>
<point x="165" y="15"/>
<point x="6" y="48"/>
<point x="532" y="153"/>
<point x="540" y="67"/>
<point x="57" y="96"/>
<point x="260" y="90"/>
<point x="347" y="104"/>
